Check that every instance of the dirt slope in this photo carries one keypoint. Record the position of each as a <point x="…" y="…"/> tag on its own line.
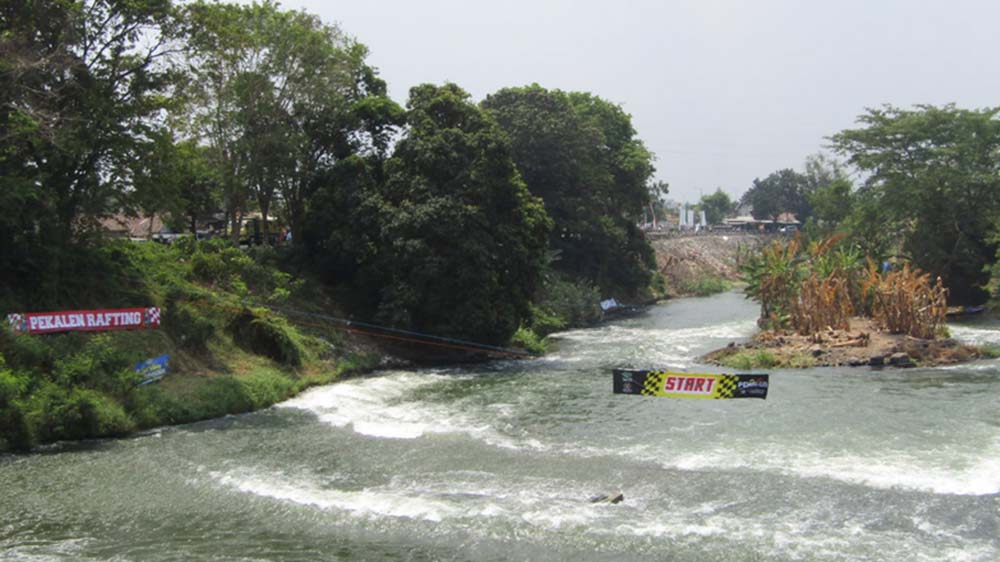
<point x="684" y="260"/>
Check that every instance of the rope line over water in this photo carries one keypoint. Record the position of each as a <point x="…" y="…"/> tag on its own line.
<point x="375" y="330"/>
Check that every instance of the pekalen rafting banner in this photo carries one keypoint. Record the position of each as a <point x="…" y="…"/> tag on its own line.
<point x="84" y="320"/>
<point x="689" y="385"/>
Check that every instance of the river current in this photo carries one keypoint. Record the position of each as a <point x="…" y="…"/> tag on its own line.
<point x="497" y="462"/>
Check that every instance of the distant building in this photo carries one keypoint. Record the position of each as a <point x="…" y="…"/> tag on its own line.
<point x="134" y="228"/>
<point x="786" y="222"/>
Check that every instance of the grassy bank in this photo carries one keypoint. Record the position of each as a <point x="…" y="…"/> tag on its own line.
<point x="229" y="353"/>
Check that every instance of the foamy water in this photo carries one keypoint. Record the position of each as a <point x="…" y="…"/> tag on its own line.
<point x="497" y="462"/>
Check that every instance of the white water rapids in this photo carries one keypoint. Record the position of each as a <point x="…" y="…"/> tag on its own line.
<point x="497" y="462"/>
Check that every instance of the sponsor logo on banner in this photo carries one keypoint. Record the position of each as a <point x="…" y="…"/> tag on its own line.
<point x="85" y="320"/>
<point x="752" y="383"/>
<point x="753" y="387"/>
<point x="153" y="369"/>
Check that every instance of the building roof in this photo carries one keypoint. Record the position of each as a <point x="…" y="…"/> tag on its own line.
<point x="133" y="227"/>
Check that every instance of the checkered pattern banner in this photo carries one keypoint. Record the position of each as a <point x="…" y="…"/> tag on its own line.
<point x="17" y="323"/>
<point x="689" y="385"/>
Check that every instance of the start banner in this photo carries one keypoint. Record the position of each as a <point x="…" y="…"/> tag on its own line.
<point x="689" y="385"/>
<point x="84" y="320"/>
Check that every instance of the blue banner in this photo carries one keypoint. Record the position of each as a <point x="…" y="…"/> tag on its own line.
<point x="153" y="369"/>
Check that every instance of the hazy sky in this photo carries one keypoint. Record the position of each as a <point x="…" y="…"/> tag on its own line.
<point x="721" y="91"/>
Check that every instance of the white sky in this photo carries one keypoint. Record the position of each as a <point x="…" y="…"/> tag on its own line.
<point x="722" y="91"/>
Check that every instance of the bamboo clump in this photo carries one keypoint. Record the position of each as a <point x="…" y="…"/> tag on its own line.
<point x="906" y="302"/>
<point x="821" y="286"/>
<point x="821" y="303"/>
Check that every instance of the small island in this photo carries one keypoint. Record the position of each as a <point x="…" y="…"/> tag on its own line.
<point x="822" y="304"/>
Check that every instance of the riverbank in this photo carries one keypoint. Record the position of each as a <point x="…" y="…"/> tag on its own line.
<point x="863" y="344"/>
<point x="495" y="462"/>
<point x="705" y="264"/>
<point x="229" y="351"/>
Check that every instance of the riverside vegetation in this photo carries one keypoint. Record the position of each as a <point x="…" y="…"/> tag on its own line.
<point x="228" y="353"/>
<point x="496" y="222"/>
<point x="444" y="217"/>
<point x="823" y="304"/>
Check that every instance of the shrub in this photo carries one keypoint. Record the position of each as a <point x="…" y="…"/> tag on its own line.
<point x="746" y="360"/>
<point x="707" y="285"/>
<point x="742" y="361"/>
<point x="207" y="267"/>
<point x="564" y="304"/>
<point x="14" y="429"/>
<point x="658" y="286"/>
<point x="99" y="365"/>
<point x="764" y="359"/>
<point x="529" y="340"/>
<point x="544" y="322"/>
<point x="906" y="302"/>
<point x="773" y="276"/>
<point x="267" y="335"/>
<point x="821" y="303"/>
<point x="56" y="413"/>
<point x="801" y="361"/>
<point x="187" y="326"/>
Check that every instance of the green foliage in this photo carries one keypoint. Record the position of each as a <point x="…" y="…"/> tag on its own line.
<point x="658" y="286"/>
<point x="823" y="284"/>
<point x="268" y="335"/>
<point x="55" y="412"/>
<point x="772" y="278"/>
<point x="751" y="359"/>
<point x="529" y="340"/>
<point x="100" y="365"/>
<point x="706" y="286"/>
<point x="932" y="183"/>
<point x="832" y="203"/>
<point x="460" y="244"/>
<point x="990" y="351"/>
<point x="80" y="94"/>
<point x="562" y="303"/>
<point x="187" y="325"/>
<point x="784" y="191"/>
<point x="281" y="98"/>
<point x="14" y="386"/>
<point x="717" y="206"/>
<point x="800" y="361"/>
<point x="580" y="155"/>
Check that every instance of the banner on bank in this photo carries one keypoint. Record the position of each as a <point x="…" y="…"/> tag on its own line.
<point x="688" y="385"/>
<point x="84" y="320"/>
<point x="152" y="370"/>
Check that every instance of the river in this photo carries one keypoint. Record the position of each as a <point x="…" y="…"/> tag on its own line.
<point x="496" y="462"/>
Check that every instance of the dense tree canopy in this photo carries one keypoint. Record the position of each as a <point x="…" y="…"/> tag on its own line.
<point x="443" y="217"/>
<point x="784" y="191"/>
<point x="462" y="240"/>
<point x="717" y="206"/>
<point x="280" y="97"/>
<point x="82" y="85"/>
<point x="934" y="179"/>
<point x="579" y="154"/>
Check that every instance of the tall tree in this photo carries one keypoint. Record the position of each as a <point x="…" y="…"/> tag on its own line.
<point x="579" y="154"/>
<point x="280" y="97"/>
<point x="934" y="178"/>
<point x="462" y="240"/>
<point x="783" y="191"/>
<point x="717" y="206"/>
<point x="81" y="91"/>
